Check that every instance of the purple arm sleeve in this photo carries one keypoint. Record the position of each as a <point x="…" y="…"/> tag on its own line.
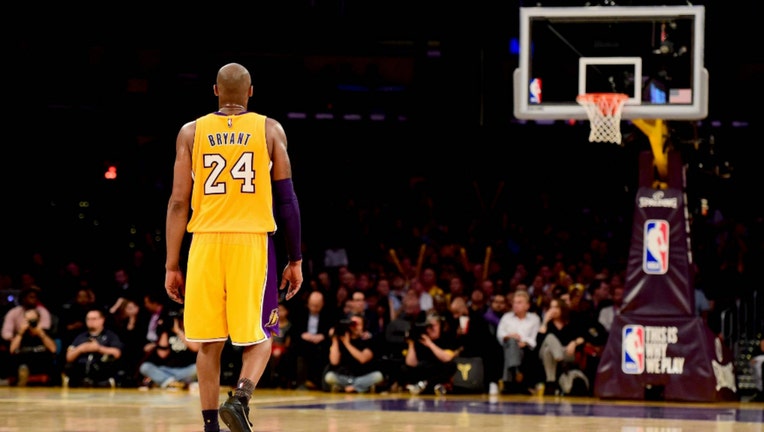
<point x="288" y="215"/>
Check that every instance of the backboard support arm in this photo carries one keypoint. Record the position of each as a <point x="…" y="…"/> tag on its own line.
<point x="657" y="132"/>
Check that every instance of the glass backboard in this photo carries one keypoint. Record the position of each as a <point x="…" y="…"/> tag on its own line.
<point x="654" y="54"/>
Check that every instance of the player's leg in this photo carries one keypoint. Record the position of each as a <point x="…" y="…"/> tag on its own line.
<point x="259" y="305"/>
<point x="208" y="374"/>
<point x="204" y="320"/>
<point x="252" y="317"/>
<point x="254" y="361"/>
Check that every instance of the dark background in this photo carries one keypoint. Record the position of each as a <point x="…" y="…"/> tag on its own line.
<point x="111" y="84"/>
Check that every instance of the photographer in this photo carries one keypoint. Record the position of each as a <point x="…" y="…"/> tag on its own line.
<point x="91" y="358"/>
<point x="429" y="365"/>
<point x="32" y="350"/>
<point x="350" y="358"/>
<point x="173" y="364"/>
<point x="29" y="298"/>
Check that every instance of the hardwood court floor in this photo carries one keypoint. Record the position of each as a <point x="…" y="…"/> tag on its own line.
<point x="123" y="410"/>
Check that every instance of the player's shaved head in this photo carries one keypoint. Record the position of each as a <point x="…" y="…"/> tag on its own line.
<point x="233" y="84"/>
<point x="234" y="77"/>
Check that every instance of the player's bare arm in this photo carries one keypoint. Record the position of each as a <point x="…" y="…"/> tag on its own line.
<point x="277" y="147"/>
<point x="177" y="211"/>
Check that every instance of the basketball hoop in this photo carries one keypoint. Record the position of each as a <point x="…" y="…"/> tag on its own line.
<point x="604" y="111"/>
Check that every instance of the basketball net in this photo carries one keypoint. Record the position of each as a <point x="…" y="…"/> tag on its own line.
<point x="604" y="111"/>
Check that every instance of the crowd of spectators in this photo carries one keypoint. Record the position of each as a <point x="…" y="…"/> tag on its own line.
<point x="533" y="299"/>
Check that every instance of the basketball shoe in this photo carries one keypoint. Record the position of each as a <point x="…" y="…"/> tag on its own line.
<point x="235" y="414"/>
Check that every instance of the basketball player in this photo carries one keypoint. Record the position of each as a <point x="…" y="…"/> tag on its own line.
<point x="233" y="170"/>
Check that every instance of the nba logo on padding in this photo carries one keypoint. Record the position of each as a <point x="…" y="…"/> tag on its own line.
<point x="656" y="247"/>
<point x="633" y="349"/>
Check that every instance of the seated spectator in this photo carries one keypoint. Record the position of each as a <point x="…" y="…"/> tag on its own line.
<point x="429" y="281"/>
<point x="173" y="364"/>
<point x="391" y="351"/>
<point x="72" y="315"/>
<point x="394" y="345"/>
<point x="430" y="365"/>
<point x="391" y="346"/>
<point x="121" y="289"/>
<point x="477" y="301"/>
<point x="351" y="368"/>
<point x="311" y="343"/>
<point x="440" y="305"/>
<point x="337" y="302"/>
<point x="558" y="340"/>
<point x="456" y="287"/>
<point x="378" y="321"/>
<point x="358" y="304"/>
<point x="91" y="358"/>
<point x="398" y="287"/>
<point x="15" y="318"/>
<point x="385" y="294"/>
<point x="424" y="298"/>
<point x="608" y="313"/>
<point x="599" y="293"/>
<point x="497" y="308"/>
<point x="517" y="332"/>
<point x="584" y="318"/>
<point x="32" y="350"/>
<point x="411" y="309"/>
<point x="154" y="308"/>
<point x="131" y="326"/>
<point x="473" y="335"/>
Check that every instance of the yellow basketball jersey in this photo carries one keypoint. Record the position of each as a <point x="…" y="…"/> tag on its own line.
<point x="231" y="172"/>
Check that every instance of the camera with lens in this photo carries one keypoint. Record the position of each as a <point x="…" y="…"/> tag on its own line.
<point x="417" y="330"/>
<point x="343" y="326"/>
<point x="33" y="323"/>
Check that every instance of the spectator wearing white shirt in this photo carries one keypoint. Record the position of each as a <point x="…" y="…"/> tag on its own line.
<point x="517" y="333"/>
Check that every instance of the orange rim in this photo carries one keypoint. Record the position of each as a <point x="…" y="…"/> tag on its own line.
<point x="608" y="103"/>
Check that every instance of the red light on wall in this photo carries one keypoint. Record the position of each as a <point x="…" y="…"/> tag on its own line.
<point x="111" y="173"/>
